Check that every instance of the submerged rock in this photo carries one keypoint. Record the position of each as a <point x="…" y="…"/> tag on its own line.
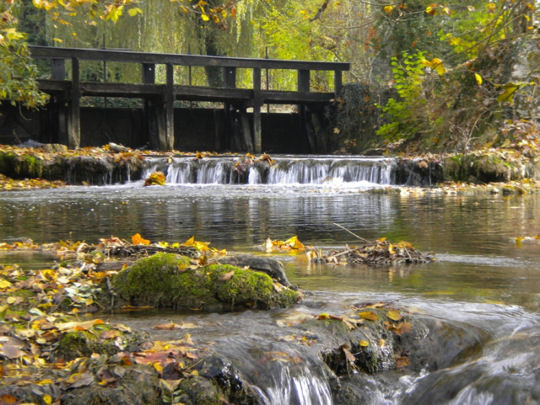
<point x="167" y="280"/>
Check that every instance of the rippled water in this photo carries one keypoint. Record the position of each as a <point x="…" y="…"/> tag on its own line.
<point x="482" y="279"/>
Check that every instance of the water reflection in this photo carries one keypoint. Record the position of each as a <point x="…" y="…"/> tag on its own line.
<point x="473" y="238"/>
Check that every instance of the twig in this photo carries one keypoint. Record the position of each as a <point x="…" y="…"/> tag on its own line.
<point x="352" y="233"/>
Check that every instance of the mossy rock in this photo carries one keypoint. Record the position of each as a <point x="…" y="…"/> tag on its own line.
<point x="165" y="280"/>
<point x="197" y="390"/>
<point x="19" y="167"/>
<point x="101" y="339"/>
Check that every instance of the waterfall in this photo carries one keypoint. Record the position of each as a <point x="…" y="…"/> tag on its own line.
<point x="284" y="170"/>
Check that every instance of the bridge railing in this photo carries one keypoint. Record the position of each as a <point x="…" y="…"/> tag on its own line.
<point x="169" y="91"/>
<point x="150" y="60"/>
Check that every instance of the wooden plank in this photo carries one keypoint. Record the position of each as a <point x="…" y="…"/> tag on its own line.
<point x="292" y="97"/>
<point x="121" y="89"/>
<point x="187" y="92"/>
<point x="180" y="59"/>
<point x="74" y="118"/>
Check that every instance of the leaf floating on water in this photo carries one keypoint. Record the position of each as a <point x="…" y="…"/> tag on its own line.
<point x="364" y="343"/>
<point x="369" y="315"/>
<point x="394" y="315"/>
<point x="292" y="245"/>
<point x="323" y="317"/>
<point x="155" y="179"/>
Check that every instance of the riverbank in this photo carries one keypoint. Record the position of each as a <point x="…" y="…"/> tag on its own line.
<point x="56" y="347"/>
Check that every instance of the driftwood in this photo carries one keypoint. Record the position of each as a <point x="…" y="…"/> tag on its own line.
<point x="377" y="253"/>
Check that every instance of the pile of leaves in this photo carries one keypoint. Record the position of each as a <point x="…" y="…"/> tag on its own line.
<point x="51" y="346"/>
<point x="377" y="253"/>
<point x="9" y="184"/>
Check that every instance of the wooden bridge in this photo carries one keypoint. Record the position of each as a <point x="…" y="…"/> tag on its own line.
<point x="159" y="98"/>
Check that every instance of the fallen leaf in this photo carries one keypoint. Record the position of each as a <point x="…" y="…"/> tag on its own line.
<point x="394" y="315"/>
<point x="137" y="239"/>
<point x="369" y="315"/>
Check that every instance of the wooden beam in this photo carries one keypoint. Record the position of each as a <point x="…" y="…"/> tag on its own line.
<point x="148" y="73"/>
<point x="74" y="117"/>
<point x="246" y="129"/>
<point x="257" y="127"/>
<point x="230" y="77"/>
<point x="58" y="69"/>
<point x="169" y="110"/>
<point x="181" y="59"/>
<point x="338" y="81"/>
<point x="303" y="81"/>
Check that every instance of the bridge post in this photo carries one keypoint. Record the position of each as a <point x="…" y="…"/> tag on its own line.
<point x="303" y="81"/>
<point x="74" y="113"/>
<point x="151" y="107"/>
<point x="167" y="138"/>
<point x="338" y="82"/>
<point x="257" y="127"/>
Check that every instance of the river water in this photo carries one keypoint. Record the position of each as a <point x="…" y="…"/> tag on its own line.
<point x="483" y="281"/>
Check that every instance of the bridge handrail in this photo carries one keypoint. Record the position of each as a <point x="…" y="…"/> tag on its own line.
<point x="181" y="59"/>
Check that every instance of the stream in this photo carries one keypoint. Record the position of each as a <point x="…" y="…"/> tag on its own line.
<point x="484" y="287"/>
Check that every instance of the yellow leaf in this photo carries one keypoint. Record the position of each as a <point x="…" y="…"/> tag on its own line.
<point x="478" y="79"/>
<point x="431" y="9"/>
<point x="364" y="343"/>
<point x="508" y="93"/>
<point x="4" y="284"/>
<point x="205" y="17"/>
<point x="388" y="9"/>
<point x="381" y="239"/>
<point x="11" y="300"/>
<point x="134" y="11"/>
<point x="369" y="315"/>
<point x="323" y="316"/>
<point x="47" y="399"/>
<point x="394" y="315"/>
<point x="158" y="367"/>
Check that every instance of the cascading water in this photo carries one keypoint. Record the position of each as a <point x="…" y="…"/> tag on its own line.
<point x="284" y="170"/>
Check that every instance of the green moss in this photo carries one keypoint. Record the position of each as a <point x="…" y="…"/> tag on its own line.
<point x="165" y="280"/>
<point x="82" y="343"/>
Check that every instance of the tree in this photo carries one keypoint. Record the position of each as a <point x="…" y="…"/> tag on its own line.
<point x="17" y="71"/>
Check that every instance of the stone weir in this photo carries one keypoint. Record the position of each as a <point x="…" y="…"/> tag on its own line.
<point x="279" y="170"/>
<point x="117" y="168"/>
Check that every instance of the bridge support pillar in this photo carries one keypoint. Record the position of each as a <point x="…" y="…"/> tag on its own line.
<point x="74" y="108"/>
<point x="257" y="127"/>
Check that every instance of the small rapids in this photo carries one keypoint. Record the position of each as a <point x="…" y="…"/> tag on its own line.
<point x="485" y="353"/>
<point x="284" y="170"/>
